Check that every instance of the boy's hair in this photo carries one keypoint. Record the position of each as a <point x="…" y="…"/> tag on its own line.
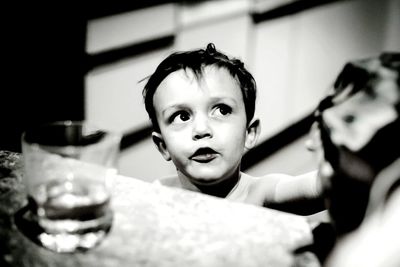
<point x="196" y="60"/>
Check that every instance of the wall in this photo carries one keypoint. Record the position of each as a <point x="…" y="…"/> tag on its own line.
<point x="43" y="51"/>
<point x="294" y="59"/>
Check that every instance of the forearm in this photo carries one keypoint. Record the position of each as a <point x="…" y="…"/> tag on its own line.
<point x="298" y="194"/>
<point x="305" y="186"/>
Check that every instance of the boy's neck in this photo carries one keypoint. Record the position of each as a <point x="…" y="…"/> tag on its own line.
<point x="221" y="189"/>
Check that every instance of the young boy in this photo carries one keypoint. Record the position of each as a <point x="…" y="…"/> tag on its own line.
<point x="201" y="104"/>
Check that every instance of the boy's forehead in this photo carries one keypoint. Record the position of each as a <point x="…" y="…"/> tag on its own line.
<point x="211" y="78"/>
<point x="178" y="78"/>
<point x="209" y="72"/>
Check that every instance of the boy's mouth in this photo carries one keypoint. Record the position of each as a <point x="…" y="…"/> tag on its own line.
<point x="204" y="155"/>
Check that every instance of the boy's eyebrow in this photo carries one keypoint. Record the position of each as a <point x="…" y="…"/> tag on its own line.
<point x="212" y="100"/>
<point x="173" y="107"/>
<point x="217" y="99"/>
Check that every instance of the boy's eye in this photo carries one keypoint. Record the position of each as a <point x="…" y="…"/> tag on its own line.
<point x="223" y="110"/>
<point x="179" y="117"/>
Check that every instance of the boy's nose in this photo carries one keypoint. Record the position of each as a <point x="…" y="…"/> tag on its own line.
<point x="201" y="128"/>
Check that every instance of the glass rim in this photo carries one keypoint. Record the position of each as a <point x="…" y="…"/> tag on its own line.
<point x="74" y="133"/>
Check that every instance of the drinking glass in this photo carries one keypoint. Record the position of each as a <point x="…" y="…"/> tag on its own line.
<point x="68" y="171"/>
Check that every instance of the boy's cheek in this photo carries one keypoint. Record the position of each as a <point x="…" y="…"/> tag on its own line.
<point x="174" y="136"/>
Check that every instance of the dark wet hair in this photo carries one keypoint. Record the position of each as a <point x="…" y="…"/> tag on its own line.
<point x="196" y="60"/>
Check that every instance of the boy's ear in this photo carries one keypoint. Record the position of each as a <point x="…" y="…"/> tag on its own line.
<point x="159" y="142"/>
<point x="253" y="131"/>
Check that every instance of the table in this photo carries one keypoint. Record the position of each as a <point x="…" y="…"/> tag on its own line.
<point x="160" y="226"/>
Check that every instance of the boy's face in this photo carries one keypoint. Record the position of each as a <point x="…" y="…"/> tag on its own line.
<point x="203" y="124"/>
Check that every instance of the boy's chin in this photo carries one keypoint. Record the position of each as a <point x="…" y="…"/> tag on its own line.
<point x="206" y="181"/>
<point x="206" y="178"/>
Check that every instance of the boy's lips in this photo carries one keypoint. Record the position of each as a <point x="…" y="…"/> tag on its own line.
<point x="204" y="155"/>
